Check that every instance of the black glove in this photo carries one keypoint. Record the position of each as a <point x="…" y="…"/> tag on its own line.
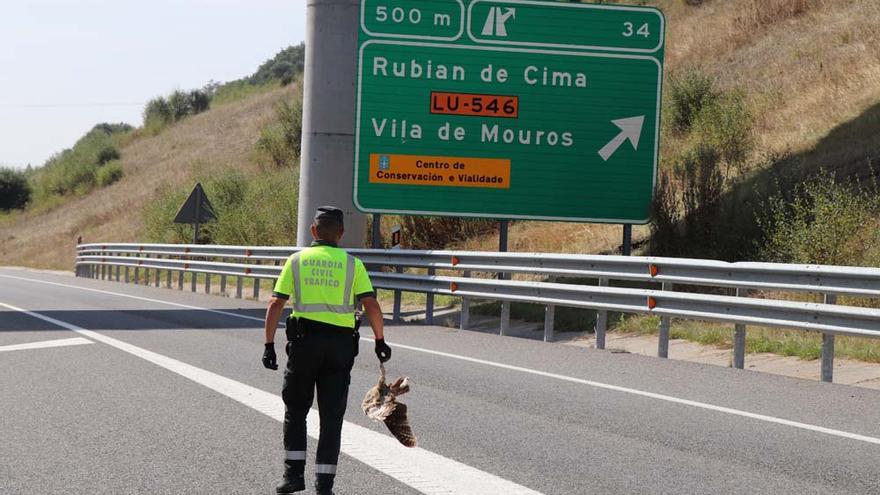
<point x="269" y="358"/>
<point x="383" y="352"/>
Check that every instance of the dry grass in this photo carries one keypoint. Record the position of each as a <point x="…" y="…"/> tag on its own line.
<point x="223" y="137"/>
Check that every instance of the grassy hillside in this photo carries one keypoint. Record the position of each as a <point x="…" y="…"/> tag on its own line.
<point x="222" y="138"/>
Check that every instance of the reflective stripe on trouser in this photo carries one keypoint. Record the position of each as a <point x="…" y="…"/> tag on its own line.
<point x="347" y="305"/>
<point x="295" y="455"/>
<point x="325" y="468"/>
<point x="321" y="360"/>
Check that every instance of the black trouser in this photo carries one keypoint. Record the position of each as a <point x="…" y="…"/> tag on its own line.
<point x="319" y="355"/>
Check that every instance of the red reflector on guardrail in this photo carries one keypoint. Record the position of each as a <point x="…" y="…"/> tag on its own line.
<point x="652" y="303"/>
<point x="455" y="260"/>
<point x="248" y="252"/>
<point x="453" y="286"/>
<point x="186" y="266"/>
<point x="186" y="250"/>
<point x="247" y="271"/>
<point x="654" y="269"/>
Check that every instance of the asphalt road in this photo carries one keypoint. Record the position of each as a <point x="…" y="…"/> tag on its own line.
<point x="160" y="396"/>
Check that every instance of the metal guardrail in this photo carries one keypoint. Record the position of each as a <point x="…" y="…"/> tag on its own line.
<point x="660" y="276"/>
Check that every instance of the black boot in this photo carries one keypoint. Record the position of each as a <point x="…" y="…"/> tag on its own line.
<point x="324" y="484"/>
<point x="293" y="481"/>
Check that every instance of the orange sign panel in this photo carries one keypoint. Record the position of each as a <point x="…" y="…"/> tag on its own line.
<point x="450" y="171"/>
<point x="475" y="105"/>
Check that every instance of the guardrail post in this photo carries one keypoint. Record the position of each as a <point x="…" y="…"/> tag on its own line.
<point x="158" y="277"/>
<point x="663" y="341"/>
<point x="601" y="320"/>
<point x="168" y="275"/>
<point x="505" y="318"/>
<point x="137" y="273"/>
<point x="739" y="339"/>
<point x="549" y="318"/>
<point x="549" y="322"/>
<point x="239" y="285"/>
<point x="117" y="273"/>
<point x="207" y="283"/>
<point x="193" y="281"/>
<point x="395" y="315"/>
<point x="465" y="318"/>
<point x="180" y="276"/>
<point x="828" y="347"/>
<point x="127" y="277"/>
<point x="223" y="285"/>
<point x="429" y="302"/>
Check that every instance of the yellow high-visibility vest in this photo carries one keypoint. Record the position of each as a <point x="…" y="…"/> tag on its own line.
<point x="323" y="283"/>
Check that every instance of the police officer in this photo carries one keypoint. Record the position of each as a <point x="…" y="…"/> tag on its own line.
<point x="324" y="283"/>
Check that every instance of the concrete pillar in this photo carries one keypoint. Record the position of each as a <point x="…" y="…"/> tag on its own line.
<point x="327" y="162"/>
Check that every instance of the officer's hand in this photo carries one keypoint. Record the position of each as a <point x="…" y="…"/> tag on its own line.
<point x="383" y="352"/>
<point x="269" y="358"/>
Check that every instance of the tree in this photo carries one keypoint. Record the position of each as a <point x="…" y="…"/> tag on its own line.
<point x="15" y="192"/>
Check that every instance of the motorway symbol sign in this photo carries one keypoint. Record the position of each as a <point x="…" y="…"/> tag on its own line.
<point x="508" y="109"/>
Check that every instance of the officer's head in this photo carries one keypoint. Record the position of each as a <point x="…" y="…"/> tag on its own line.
<point x="328" y="224"/>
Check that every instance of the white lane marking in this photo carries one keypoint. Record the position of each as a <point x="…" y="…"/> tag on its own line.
<point x="46" y="344"/>
<point x="99" y="291"/>
<point x="605" y="386"/>
<point x="425" y="471"/>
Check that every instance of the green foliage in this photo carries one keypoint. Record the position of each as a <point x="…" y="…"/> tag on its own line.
<point x="75" y="170"/>
<point x="688" y="95"/>
<point x="725" y="125"/>
<point x="699" y="172"/>
<point x="107" y="154"/>
<point x="281" y="141"/>
<point x="251" y="210"/>
<point x="109" y="173"/>
<point x="822" y="221"/>
<point x="157" y="113"/>
<point x="285" y="65"/>
<point x="689" y="208"/>
<point x="15" y="192"/>
<point x="241" y="89"/>
<point x="161" y="111"/>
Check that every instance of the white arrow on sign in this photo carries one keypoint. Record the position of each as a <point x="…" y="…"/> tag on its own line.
<point x="631" y="129"/>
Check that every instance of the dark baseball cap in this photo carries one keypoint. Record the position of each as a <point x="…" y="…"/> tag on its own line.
<point x="329" y="213"/>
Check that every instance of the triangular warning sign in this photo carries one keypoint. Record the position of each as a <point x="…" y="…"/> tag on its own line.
<point x="196" y="208"/>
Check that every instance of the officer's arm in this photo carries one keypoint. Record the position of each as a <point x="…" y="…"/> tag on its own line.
<point x="374" y="314"/>
<point x="273" y="313"/>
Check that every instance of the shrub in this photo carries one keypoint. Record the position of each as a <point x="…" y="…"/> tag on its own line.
<point x="823" y="221"/>
<point x="725" y="124"/>
<point x="199" y="101"/>
<point x="665" y="217"/>
<point x="703" y="183"/>
<point x="107" y="154"/>
<point x="15" y="192"/>
<point x="281" y="141"/>
<point x="689" y="94"/>
<point x="179" y="103"/>
<point x="109" y="173"/>
<point x="158" y="113"/>
<point x="250" y="210"/>
<point x="440" y="232"/>
<point x="287" y="63"/>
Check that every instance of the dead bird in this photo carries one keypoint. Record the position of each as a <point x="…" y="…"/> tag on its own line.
<point x="380" y="404"/>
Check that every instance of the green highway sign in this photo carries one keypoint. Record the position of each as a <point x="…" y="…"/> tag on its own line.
<point x="508" y="109"/>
